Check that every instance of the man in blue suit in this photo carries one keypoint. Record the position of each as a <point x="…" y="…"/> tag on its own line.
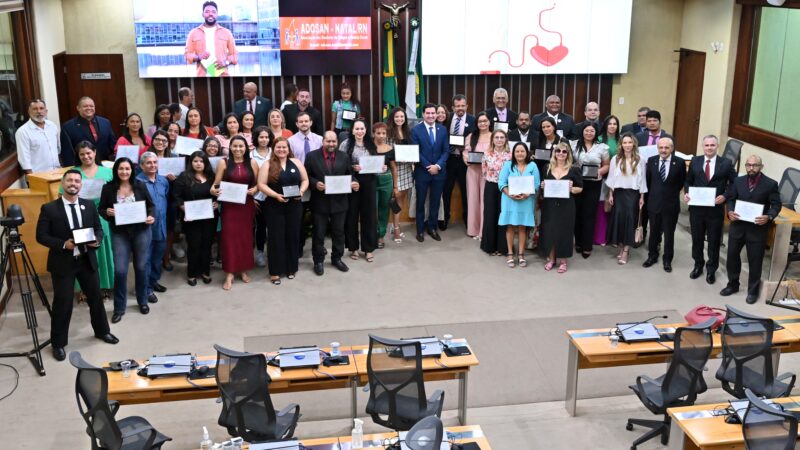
<point x="87" y="127"/>
<point x="429" y="174"/>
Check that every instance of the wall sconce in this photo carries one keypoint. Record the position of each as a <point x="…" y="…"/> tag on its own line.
<point x="717" y="46"/>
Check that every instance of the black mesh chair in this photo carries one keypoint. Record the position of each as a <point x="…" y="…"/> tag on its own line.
<point x="789" y="189"/>
<point x="91" y="391"/>
<point x="247" y="409"/>
<point x="733" y="151"/>
<point x="426" y="434"/>
<point x="747" y="357"/>
<point x="767" y="426"/>
<point x="679" y="386"/>
<point x="396" y="388"/>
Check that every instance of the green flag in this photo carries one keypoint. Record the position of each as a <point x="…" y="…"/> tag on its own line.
<point x="415" y="86"/>
<point x="391" y="97"/>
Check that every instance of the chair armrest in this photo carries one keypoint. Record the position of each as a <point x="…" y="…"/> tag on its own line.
<point x="786" y="375"/>
<point x="438" y="395"/>
<point x="113" y="405"/>
<point x="288" y="409"/>
<point x="648" y="379"/>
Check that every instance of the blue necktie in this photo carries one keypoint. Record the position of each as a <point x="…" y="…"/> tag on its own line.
<point x="306" y="147"/>
<point x="430" y="135"/>
<point x="663" y="170"/>
<point x="457" y="127"/>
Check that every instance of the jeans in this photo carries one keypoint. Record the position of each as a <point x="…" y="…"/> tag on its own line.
<point x="154" y="256"/>
<point x="129" y="244"/>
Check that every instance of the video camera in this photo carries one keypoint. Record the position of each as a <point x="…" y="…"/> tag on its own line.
<point x="14" y="218"/>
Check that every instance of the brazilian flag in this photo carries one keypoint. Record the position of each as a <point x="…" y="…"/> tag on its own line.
<point x="391" y="98"/>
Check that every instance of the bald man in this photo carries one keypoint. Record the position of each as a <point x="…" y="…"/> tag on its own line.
<point x="565" y="124"/>
<point x="258" y="105"/>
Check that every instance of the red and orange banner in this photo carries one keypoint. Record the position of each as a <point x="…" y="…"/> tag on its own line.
<point x="325" y="33"/>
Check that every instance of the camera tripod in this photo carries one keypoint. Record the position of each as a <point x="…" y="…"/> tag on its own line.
<point x="13" y="246"/>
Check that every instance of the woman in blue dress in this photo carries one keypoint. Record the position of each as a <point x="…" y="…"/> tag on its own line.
<point x="516" y="210"/>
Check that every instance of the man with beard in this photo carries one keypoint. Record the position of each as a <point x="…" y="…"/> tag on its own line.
<point x="292" y="114"/>
<point x="38" y="142"/>
<point x="211" y="46"/>
<point x="523" y="132"/>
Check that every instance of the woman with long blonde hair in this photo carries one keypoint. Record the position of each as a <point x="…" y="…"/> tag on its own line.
<point x="558" y="214"/>
<point x="627" y="185"/>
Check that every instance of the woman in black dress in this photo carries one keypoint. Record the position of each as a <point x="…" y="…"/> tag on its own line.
<point x="627" y="186"/>
<point x="361" y="226"/>
<point x="558" y="214"/>
<point x="195" y="184"/>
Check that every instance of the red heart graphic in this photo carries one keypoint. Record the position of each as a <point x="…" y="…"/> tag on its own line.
<point x="549" y="57"/>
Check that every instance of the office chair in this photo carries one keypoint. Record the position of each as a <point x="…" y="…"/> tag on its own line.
<point x="91" y="392"/>
<point x="247" y="409"/>
<point x="747" y="357"/>
<point x="733" y="151"/>
<point x="427" y="434"/>
<point x="679" y="386"/>
<point x="789" y="188"/>
<point x="767" y="427"/>
<point x="396" y="388"/>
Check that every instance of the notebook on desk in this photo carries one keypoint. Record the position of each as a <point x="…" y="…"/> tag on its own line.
<point x="638" y="332"/>
<point x="430" y="346"/>
<point x="298" y="357"/>
<point x="169" y="365"/>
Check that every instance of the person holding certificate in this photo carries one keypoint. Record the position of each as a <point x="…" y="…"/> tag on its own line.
<point x="237" y="218"/>
<point x="385" y="184"/>
<point x="211" y="147"/>
<point x="609" y="135"/>
<point x="709" y="175"/>
<point x="403" y="171"/>
<point x="194" y="125"/>
<point x="284" y="180"/>
<point x="361" y="214"/>
<point x="194" y="185"/>
<point x="592" y="157"/>
<point x="493" y="239"/>
<point x="262" y="138"/>
<point x="627" y="185"/>
<point x="133" y="134"/>
<point x="460" y="126"/>
<point x="344" y="111"/>
<point x="173" y="131"/>
<point x="130" y="240"/>
<point x="516" y="207"/>
<point x="477" y="142"/>
<point x="760" y="205"/>
<point x="558" y="212"/>
<point x="547" y="139"/>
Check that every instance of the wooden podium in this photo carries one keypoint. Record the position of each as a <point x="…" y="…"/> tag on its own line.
<point x="48" y="182"/>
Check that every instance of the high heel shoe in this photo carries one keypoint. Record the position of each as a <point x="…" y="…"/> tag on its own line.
<point x="623" y="259"/>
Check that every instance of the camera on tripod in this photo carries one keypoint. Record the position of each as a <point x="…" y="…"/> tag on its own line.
<point x="14" y="218"/>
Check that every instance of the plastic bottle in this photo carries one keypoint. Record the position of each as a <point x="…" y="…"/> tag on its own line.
<point x="357" y="437"/>
<point x="206" y="443"/>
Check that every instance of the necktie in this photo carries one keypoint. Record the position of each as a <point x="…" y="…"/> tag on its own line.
<point x="457" y="127"/>
<point x="250" y="105"/>
<point x="501" y="115"/>
<point x="93" y="130"/>
<point x="663" y="170"/>
<point x="708" y="170"/>
<point x="430" y="135"/>
<point x="75" y="223"/>
<point x="306" y="147"/>
<point x="652" y="140"/>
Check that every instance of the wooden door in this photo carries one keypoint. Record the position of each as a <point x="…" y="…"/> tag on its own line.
<point x="688" y="100"/>
<point x="101" y="77"/>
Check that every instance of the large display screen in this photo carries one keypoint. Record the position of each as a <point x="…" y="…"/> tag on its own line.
<point x="198" y="38"/>
<point x="525" y="36"/>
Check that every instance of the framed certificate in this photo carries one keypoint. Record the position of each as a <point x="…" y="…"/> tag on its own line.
<point x="291" y="191"/>
<point x="590" y="171"/>
<point x="498" y="125"/>
<point x="456" y="140"/>
<point x="83" y="235"/>
<point x="521" y="185"/>
<point x="542" y="154"/>
<point x="348" y="114"/>
<point x="474" y="157"/>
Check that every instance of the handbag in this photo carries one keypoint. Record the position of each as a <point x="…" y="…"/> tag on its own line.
<point x="394" y="206"/>
<point x="700" y="314"/>
<point x="638" y="236"/>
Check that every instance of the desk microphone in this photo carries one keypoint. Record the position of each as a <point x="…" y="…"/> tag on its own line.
<point x="639" y="323"/>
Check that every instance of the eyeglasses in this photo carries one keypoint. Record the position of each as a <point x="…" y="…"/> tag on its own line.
<point x="162" y="140"/>
<point x="561" y="152"/>
<point x="752" y="166"/>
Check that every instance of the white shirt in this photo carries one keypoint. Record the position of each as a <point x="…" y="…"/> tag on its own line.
<point x="710" y="166"/>
<point x="523" y="137"/>
<point x="38" y="148"/>
<point x="666" y="163"/>
<point x="211" y="33"/>
<point x="184" y="111"/>
<point x="68" y="209"/>
<point x="255" y="156"/>
<point x="617" y="180"/>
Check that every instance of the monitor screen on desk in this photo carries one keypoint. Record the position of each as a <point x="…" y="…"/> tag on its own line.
<point x="299" y="357"/>
<point x="636" y="332"/>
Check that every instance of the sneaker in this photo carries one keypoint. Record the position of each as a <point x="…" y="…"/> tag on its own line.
<point x="261" y="258"/>
<point x="177" y="251"/>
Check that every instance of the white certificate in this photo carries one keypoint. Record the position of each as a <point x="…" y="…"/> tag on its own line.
<point x="172" y="166"/>
<point x="521" y="185"/>
<point x="456" y="140"/>
<point x="187" y="146"/>
<point x="232" y="192"/>
<point x="556" y="188"/>
<point x="340" y="184"/>
<point x="406" y="153"/>
<point x="748" y="211"/>
<point x="198" y="209"/>
<point x="128" y="151"/>
<point x="702" y="196"/>
<point x="501" y="126"/>
<point x="90" y="189"/>
<point x="214" y="160"/>
<point x="130" y="212"/>
<point x="348" y="114"/>
<point x="109" y="164"/>
<point x="371" y="164"/>
<point x="647" y="151"/>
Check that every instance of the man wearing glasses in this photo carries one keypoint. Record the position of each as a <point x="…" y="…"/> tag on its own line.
<point x="750" y="232"/>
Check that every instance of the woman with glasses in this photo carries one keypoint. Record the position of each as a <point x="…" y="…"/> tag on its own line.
<point x="558" y="214"/>
<point x="591" y="156"/>
<point x="476" y="142"/>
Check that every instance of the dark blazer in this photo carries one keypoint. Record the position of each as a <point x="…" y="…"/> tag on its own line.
<point x="511" y="117"/>
<point x="765" y="193"/>
<point x="436" y="153"/>
<point x="644" y="136"/>
<point x="77" y="129"/>
<point x="723" y="176"/>
<point x="565" y="123"/>
<point x="469" y="126"/>
<point x="108" y="197"/>
<point x="317" y="169"/>
<point x="52" y="231"/>
<point x="633" y="128"/>
<point x="533" y="136"/>
<point x="263" y="107"/>
<point x="290" y="113"/>
<point x="664" y="196"/>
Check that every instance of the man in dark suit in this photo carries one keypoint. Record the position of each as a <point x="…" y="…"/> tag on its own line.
<point x="430" y="173"/>
<point x="290" y="113"/>
<point x="755" y="187"/>
<point x="252" y="102"/>
<point x="564" y="122"/>
<point x="87" y="127"/>
<point x="524" y="132"/>
<point x="641" y="122"/>
<point x="328" y="161"/>
<point x="461" y="124"/>
<point x="67" y="261"/>
<point x="666" y="175"/>
<point x="500" y="111"/>
<point x="708" y="171"/>
<point x="654" y="131"/>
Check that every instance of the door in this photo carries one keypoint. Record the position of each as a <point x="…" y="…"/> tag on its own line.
<point x="689" y="99"/>
<point x="101" y="77"/>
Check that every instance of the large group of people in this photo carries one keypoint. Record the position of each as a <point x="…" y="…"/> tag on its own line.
<point x="583" y="184"/>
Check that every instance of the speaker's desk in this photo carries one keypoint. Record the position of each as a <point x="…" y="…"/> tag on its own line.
<point x="784" y="223"/>
<point x="592" y="349"/>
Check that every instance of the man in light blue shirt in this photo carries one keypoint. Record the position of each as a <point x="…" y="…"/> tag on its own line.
<point x="158" y="187"/>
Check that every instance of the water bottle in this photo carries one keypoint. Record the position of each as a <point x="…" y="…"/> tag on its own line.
<point x="206" y="443"/>
<point x="335" y="349"/>
<point x="126" y="368"/>
<point x="357" y="436"/>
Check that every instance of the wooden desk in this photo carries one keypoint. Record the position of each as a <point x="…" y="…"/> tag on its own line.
<point x="591" y="349"/>
<point x="784" y="223"/>
<point x="458" y="435"/>
<point x="47" y="182"/>
<point x="694" y="427"/>
<point x="434" y="369"/>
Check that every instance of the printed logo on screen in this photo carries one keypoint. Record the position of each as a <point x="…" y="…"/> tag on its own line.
<point x="542" y="55"/>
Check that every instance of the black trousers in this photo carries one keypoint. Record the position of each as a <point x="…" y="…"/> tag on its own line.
<point x="261" y="225"/>
<point x="706" y="222"/>
<point x="199" y="236"/>
<point x="321" y="223"/>
<point x="63" y="285"/>
<point x="755" y="242"/>
<point x="362" y="214"/>
<point x="586" y="214"/>
<point x="493" y="235"/>
<point x="662" y="223"/>
<point x="456" y="173"/>
<point x="283" y="242"/>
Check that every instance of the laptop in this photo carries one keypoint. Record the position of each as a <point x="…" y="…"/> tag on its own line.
<point x="169" y="365"/>
<point x="638" y="332"/>
<point x="299" y="357"/>
<point x="431" y="346"/>
<point x="740" y="409"/>
<point x="744" y="327"/>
